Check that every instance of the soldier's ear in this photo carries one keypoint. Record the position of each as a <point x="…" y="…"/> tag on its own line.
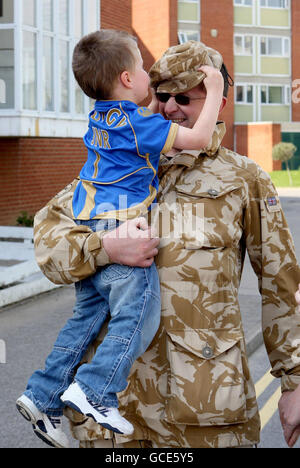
<point x="223" y="104"/>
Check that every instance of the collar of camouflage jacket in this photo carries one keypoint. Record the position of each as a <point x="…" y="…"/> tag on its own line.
<point x="187" y="158"/>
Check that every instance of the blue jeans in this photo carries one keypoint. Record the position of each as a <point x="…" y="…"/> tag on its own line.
<point x="130" y="298"/>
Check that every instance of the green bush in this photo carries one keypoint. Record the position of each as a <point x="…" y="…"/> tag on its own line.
<point x="24" y="219"/>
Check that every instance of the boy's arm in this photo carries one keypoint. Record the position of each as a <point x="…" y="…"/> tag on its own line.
<point x="200" y="135"/>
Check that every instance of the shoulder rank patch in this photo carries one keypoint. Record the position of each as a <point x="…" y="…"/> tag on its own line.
<point x="272" y="204"/>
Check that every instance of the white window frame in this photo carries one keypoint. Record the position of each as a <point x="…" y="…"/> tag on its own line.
<point x="183" y="36"/>
<point x="267" y="5"/>
<point x="243" y="4"/>
<point x="286" y="95"/>
<point x="244" y="53"/>
<point x="244" y="102"/>
<point x="18" y="29"/>
<point x="197" y="20"/>
<point x="283" y="39"/>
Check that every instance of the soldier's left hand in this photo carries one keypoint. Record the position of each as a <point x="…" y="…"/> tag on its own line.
<point x="289" y="412"/>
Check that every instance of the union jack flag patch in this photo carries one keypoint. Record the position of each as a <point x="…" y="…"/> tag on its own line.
<point x="272" y="204"/>
<point x="272" y="201"/>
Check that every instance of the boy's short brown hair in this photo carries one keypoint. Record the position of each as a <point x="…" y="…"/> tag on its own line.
<point x="99" y="58"/>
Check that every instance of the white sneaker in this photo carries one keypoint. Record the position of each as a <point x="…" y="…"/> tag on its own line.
<point x="47" y="428"/>
<point x="109" y="418"/>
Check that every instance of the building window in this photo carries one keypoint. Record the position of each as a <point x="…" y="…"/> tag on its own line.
<point x="243" y="2"/>
<point x="1" y="8"/>
<point x="243" y="45"/>
<point x="275" y="3"/>
<point x="275" y="46"/>
<point x="38" y="37"/>
<point x="188" y="20"/>
<point x="184" y="36"/>
<point x="7" y="77"/>
<point x="189" y="11"/>
<point x="275" y="94"/>
<point x="244" y="94"/>
<point x="29" y="71"/>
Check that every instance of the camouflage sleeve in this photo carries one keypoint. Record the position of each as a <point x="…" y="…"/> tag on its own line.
<point x="65" y="252"/>
<point x="272" y="254"/>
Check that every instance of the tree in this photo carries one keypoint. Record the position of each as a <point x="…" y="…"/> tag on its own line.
<point x="284" y="152"/>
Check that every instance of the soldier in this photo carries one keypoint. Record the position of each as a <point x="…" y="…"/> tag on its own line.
<point x="192" y="388"/>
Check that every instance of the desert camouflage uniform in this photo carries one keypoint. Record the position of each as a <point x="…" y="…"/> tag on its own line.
<point x="192" y="388"/>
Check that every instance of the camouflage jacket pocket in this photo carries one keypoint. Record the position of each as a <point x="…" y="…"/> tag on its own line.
<point x="211" y="218"/>
<point x="206" y="379"/>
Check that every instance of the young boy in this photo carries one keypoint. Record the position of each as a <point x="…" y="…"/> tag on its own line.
<point x="117" y="182"/>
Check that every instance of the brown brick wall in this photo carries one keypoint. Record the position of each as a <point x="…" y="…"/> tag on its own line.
<point x="155" y="24"/>
<point x="256" y="141"/>
<point x="222" y="21"/>
<point x="33" y="170"/>
<point x="116" y="15"/>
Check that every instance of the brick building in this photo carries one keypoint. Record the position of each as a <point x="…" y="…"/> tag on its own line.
<point x="43" y="114"/>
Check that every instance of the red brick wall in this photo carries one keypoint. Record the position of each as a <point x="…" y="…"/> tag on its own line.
<point x="116" y="15"/>
<point x="33" y="170"/>
<point x="295" y="18"/>
<point x="212" y="18"/>
<point x="154" y="22"/>
<point x="256" y="141"/>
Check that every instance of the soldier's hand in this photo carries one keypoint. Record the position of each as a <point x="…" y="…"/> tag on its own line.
<point x="133" y="243"/>
<point x="289" y="412"/>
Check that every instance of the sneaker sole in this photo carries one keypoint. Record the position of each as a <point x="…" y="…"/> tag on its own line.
<point x="29" y="416"/>
<point x="105" y="425"/>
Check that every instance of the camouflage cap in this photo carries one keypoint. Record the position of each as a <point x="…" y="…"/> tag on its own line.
<point x="177" y="70"/>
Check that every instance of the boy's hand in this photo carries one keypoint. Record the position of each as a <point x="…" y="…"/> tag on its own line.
<point x="133" y="243"/>
<point x="214" y="80"/>
<point x="297" y="295"/>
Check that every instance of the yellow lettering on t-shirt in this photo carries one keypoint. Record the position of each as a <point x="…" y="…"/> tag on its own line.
<point x="100" y="138"/>
<point x="122" y="122"/>
<point x="97" y="137"/>
<point x="96" y="116"/>
<point x="110" y="120"/>
<point x="105" y="139"/>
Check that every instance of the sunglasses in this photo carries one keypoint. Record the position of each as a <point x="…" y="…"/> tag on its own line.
<point x="180" y="99"/>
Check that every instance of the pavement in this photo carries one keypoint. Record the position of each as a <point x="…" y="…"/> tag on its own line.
<point x="249" y="297"/>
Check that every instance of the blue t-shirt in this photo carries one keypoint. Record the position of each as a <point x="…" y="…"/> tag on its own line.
<point x="119" y="178"/>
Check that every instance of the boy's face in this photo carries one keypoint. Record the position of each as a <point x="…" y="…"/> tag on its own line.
<point x="140" y="78"/>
